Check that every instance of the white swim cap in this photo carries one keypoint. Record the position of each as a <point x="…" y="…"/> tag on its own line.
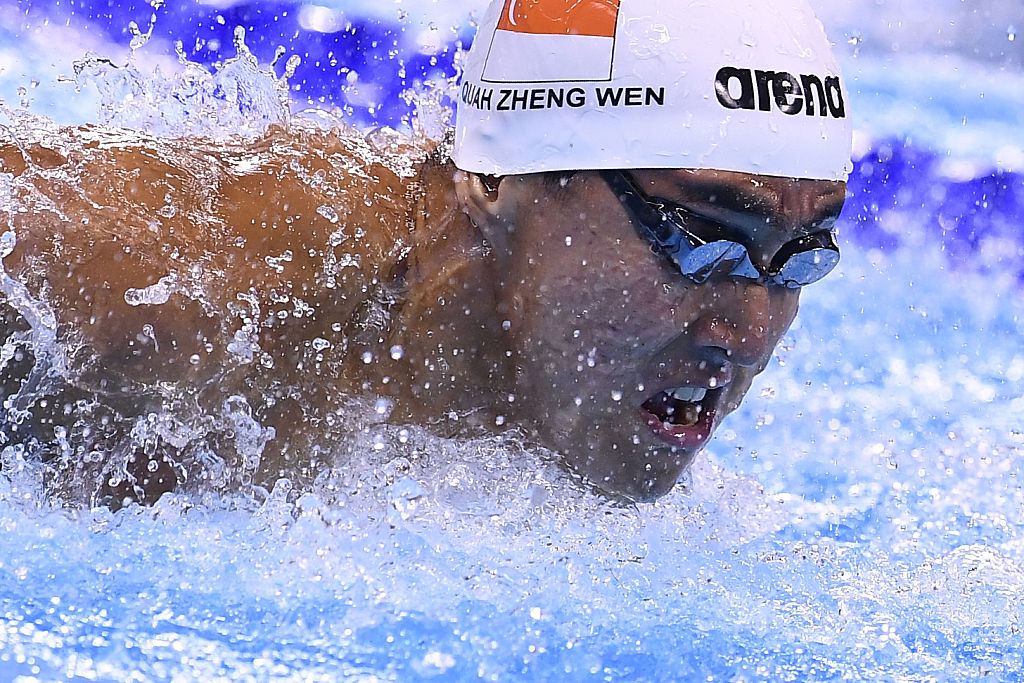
<point x="737" y="85"/>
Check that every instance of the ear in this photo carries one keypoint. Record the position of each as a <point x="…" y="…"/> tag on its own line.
<point x="490" y="204"/>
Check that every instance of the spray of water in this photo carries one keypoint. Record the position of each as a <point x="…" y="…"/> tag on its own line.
<point x="239" y="98"/>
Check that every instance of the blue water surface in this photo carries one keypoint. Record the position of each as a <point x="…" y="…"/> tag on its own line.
<point x="861" y="517"/>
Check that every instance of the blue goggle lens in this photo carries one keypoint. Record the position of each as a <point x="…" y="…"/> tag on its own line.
<point x="730" y="259"/>
<point x="807" y="267"/>
<point x="799" y="263"/>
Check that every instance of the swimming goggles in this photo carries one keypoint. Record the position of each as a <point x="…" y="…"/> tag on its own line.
<point x="797" y="264"/>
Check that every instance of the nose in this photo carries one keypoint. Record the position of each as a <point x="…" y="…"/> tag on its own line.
<point x="737" y="323"/>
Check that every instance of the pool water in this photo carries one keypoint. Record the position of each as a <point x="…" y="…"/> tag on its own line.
<point x="860" y="517"/>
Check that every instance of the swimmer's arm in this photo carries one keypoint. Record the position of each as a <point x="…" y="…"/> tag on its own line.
<point x="11" y="159"/>
<point x="226" y="220"/>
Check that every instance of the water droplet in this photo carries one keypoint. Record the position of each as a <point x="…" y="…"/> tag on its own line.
<point x="500" y="420"/>
<point x="382" y="406"/>
<point x="397" y="352"/>
<point x="277" y="262"/>
<point x="617" y="395"/>
<point x="506" y="325"/>
<point x="367" y="357"/>
<point x="347" y="260"/>
<point x="138" y="37"/>
<point x="328" y="212"/>
<point x="153" y="295"/>
<point x="568" y="241"/>
<point x="337" y="237"/>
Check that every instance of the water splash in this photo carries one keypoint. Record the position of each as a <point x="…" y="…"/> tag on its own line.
<point x="240" y="97"/>
<point x="39" y="341"/>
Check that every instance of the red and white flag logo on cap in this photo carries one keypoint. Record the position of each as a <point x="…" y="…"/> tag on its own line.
<point x="539" y="41"/>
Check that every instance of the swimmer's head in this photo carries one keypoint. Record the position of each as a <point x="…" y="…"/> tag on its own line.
<point x="738" y="85"/>
<point x="656" y="180"/>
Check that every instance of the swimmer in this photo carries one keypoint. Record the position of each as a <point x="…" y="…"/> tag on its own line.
<point x="604" y="253"/>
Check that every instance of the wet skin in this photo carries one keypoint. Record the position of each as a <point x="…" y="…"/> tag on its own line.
<point x="603" y="324"/>
<point x="484" y="295"/>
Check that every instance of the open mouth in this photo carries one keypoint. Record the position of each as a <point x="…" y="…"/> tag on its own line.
<point x="682" y="416"/>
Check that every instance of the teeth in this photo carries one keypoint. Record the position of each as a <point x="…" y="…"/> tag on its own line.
<point x="686" y="418"/>
<point x="688" y="394"/>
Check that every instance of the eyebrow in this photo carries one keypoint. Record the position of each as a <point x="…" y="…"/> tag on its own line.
<point x="731" y="199"/>
<point x="728" y="196"/>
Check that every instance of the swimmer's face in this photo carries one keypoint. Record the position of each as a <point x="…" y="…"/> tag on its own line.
<point x="626" y="366"/>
